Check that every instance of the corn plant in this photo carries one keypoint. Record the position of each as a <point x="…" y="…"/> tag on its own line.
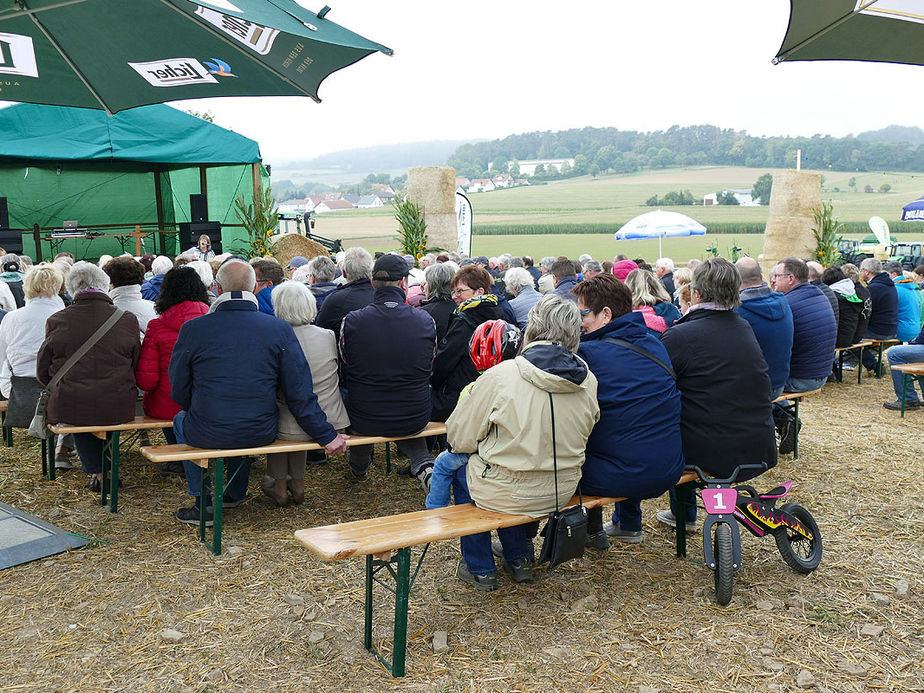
<point x="827" y="232"/>
<point x="412" y="234"/>
<point x="260" y="221"/>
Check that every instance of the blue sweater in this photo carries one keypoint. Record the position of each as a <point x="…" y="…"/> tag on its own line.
<point x="635" y="448"/>
<point x="225" y="371"/>
<point x="909" y="309"/>
<point x="814" y="332"/>
<point x="770" y="318"/>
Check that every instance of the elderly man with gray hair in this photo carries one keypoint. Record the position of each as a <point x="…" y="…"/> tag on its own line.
<point x="321" y="275"/>
<point x="726" y="417"/>
<point x="221" y="410"/>
<point x="356" y="293"/>
<point x="883" y="321"/>
<point x="664" y="268"/>
<point x="546" y="283"/>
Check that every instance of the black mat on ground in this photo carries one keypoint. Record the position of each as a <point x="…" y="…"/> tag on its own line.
<point x="24" y="538"/>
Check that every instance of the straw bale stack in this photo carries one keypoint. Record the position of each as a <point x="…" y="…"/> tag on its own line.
<point x="434" y="189"/>
<point x="293" y="244"/>
<point x="795" y="196"/>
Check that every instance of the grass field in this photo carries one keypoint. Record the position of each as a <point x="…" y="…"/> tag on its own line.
<point x="615" y="199"/>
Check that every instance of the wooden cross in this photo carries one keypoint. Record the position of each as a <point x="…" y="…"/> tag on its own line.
<point x="137" y="234"/>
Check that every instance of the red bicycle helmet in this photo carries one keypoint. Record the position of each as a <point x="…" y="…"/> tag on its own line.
<point x="492" y="342"/>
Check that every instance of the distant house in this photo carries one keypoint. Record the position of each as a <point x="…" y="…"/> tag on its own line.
<point x="315" y="200"/>
<point x="528" y="168"/>
<point x="481" y="185"/>
<point x="521" y="181"/>
<point x="369" y="201"/>
<point x="383" y="188"/>
<point x="462" y="182"/>
<point x="296" y="206"/>
<point x="502" y="180"/>
<point x="352" y="198"/>
<point x="742" y="195"/>
<point x="328" y="196"/>
<point x="332" y="206"/>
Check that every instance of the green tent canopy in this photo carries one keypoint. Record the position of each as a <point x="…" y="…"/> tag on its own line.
<point x="59" y="163"/>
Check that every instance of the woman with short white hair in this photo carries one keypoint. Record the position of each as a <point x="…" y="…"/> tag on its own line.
<point x="519" y="282"/>
<point x="99" y="389"/>
<point x="204" y="270"/>
<point x="21" y="335"/>
<point x="294" y="303"/>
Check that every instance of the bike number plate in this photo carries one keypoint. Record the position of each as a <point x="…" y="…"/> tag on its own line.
<point x="719" y="501"/>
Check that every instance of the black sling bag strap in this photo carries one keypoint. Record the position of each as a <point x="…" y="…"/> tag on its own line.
<point x="639" y="350"/>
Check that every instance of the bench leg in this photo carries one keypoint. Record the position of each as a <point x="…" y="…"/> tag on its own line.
<point x="839" y="371"/>
<point x="388" y="458"/>
<point x="44" y="458"/>
<point x="402" y="594"/>
<point x="860" y="366"/>
<point x="904" y="392"/>
<point x="212" y="484"/>
<point x="51" y="440"/>
<point x="795" y="423"/>
<point x="879" y="363"/>
<point x="111" y="472"/>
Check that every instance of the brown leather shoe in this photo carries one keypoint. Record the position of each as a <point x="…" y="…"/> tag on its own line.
<point x="268" y="486"/>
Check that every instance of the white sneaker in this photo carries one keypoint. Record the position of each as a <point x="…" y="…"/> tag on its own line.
<point x="423" y="476"/>
<point x="667" y="517"/>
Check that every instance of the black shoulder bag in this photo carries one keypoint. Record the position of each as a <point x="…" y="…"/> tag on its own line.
<point x="566" y="531"/>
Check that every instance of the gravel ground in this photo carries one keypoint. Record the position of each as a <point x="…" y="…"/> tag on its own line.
<point x="145" y="607"/>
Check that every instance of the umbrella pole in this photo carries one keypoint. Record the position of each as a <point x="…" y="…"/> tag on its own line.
<point x="660" y="236"/>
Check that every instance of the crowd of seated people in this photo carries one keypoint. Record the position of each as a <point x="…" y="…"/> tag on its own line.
<point x="651" y="366"/>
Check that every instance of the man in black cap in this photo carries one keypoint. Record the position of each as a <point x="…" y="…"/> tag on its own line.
<point x="386" y="356"/>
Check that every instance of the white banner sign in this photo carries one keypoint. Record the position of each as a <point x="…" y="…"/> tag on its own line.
<point x="464" y="224"/>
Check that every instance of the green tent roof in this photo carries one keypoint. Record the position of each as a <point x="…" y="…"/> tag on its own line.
<point x="156" y="134"/>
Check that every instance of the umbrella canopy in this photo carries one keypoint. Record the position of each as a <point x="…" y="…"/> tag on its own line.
<point x="889" y="31"/>
<point x="914" y="211"/>
<point x="113" y="54"/>
<point x="658" y="225"/>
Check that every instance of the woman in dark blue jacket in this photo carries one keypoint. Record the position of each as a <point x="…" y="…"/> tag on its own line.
<point x="635" y="448"/>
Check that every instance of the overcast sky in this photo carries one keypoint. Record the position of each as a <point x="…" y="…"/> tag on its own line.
<point x="490" y="68"/>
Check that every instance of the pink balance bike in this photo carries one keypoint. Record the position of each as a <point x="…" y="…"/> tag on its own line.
<point x="792" y="526"/>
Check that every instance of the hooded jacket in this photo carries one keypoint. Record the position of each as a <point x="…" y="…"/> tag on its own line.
<point x="865" y="313"/>
<point x="726" y="417"/>
<point x="635" y="449"/>
<point x="151" y="372"/>
<point x="884" y="319"/>
<point x="129" y="298"/>
<point x="850" y="306"/>
<point x="909" y="308"/>
<point x="770" y="317"/>
<point x="453" y="368"/>
<point x="150" y="290"/>
<point x="14" y="281"/>
<point x="814" y="332"/>
<point x="505" y="423"/>
<point x="564" y="286"/>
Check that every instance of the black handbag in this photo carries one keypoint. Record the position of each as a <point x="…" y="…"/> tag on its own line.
<point x="566" y="531"/>
<point x="24" y="393"/>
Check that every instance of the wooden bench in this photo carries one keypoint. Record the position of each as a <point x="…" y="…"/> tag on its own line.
<point x="386" y="543"/>
<point x="878" y="344"/>
<point x="908" y="370"/>
<point x="110" y="434"/>
<point x="7" y="432"/>
<point x="840" y="353"/>
<point x="215" y="478"/>
<point x="792" y="413"/>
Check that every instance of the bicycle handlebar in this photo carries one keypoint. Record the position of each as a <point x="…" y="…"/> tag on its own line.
<point x="762" y="466"/>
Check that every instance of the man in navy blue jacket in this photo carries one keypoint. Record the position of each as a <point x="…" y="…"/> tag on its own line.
<point x="386" y="357"/>
<point x="770" y="317"/>
<point x="883" y="323"/>
<point x="225" y="370"/>
<point x="813" y="339"/>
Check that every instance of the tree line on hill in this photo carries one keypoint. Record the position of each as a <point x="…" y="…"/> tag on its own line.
<point x="601" y="150"/>
<point x="287" y="190"/>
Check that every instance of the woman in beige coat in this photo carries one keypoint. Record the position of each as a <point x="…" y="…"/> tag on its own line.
<point x="504" y="424"/>
<point x="294" y="303"/>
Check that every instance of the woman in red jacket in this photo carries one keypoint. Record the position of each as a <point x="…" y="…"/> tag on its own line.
<point x="182" y="297"/>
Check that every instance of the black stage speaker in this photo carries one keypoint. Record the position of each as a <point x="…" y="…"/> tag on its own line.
<point x="189" y="234"/>
<point x="11" y="241"/>
<point x="4" y="214"/>
<point x="198" y="208"/>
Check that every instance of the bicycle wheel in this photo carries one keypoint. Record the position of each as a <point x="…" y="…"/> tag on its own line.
<point x="724" y="572"/>
<point x="801" y="554"/>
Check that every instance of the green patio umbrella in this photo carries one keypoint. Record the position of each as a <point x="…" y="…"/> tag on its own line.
<point x="889" y="31"/>
<point x="117" y="54"/>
